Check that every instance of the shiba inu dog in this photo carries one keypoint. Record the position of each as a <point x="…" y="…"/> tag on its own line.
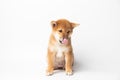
<point x="60" y="52"/>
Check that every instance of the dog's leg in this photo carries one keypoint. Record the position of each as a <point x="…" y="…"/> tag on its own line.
<point x="68" y="63"/>
<point x="50" y="63"/>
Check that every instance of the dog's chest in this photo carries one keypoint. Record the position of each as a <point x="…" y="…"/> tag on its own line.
<point x="60" y="50"/>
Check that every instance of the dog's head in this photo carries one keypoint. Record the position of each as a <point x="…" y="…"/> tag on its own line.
<point x="62" y="30"/>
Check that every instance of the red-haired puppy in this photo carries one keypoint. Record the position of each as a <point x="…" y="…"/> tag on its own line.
<point x="60" y="52"/>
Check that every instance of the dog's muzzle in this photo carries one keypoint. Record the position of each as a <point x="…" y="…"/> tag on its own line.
<point x="63" y="41"/>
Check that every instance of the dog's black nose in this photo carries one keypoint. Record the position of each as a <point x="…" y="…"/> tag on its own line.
<point x="60" y="41"/>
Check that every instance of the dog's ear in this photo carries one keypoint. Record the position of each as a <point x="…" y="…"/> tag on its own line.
<point x="74" y="24"/>
<point x="53" y="23"/>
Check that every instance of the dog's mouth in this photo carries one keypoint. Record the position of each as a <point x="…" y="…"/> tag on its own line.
<point x="63" y="41"/>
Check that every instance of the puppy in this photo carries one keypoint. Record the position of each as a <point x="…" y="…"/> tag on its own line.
<point x="60" y="52"/>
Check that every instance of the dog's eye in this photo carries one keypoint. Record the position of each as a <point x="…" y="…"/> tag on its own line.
<point x="68" y="31"/>
<point x="60" y="31"/>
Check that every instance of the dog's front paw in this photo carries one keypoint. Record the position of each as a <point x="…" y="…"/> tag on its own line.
<point x="69" y="72"/>
<point x="49" y="72"/>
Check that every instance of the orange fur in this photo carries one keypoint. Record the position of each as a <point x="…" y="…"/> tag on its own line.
<point x="60" y="53"/>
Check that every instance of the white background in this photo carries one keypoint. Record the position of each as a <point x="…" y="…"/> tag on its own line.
<point x="25" y="29"/>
